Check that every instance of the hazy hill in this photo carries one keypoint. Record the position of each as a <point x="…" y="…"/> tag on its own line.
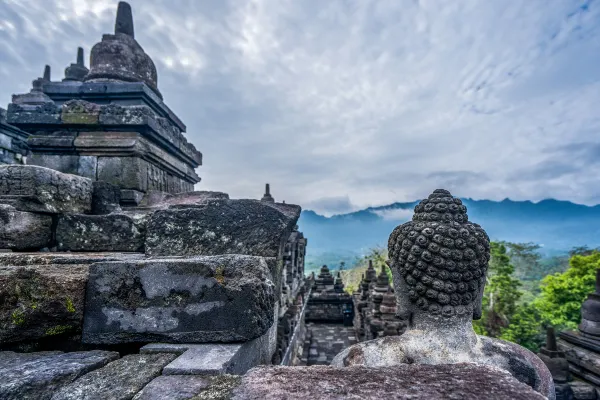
<point x="556" y="225"/>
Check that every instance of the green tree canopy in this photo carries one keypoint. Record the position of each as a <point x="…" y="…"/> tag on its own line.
<point x="562" y="294"/>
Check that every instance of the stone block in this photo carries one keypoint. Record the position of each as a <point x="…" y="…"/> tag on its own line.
<point x="42" y="294"/>
<point x="173" y="387"/>
<point x="20" y="230"/>
<point x="131" y="197"/>
<point x="118" y="380"/>
<point x="220" y="227"/>
<point x="114" y="114"/>
<point x="87" y="166"/>
<point x="106" y="198"/>
<point x="38" y="189"/>
<point x="44" y="114"/>
<point x="163" y="199"/>
<point x="414" y="381"/>
<point x="65" y="163"/>
<point x="31" y="376"/>
<point x="179" y="300"/>
<point x="112" y="232"/>
<point x="216" y="359"/>
<point x="80" y="112"/>
<point x="124" y="172"/>
<point x="41" y="301"/>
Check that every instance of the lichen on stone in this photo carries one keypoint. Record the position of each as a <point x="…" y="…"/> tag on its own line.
<point x="220" y="388"/>
<point x="58" y="330"/>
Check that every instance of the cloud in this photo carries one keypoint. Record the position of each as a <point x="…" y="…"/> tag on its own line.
<point x="374" y="101"/>
<point x="331" y="205"/>
<point x="395" y="214"/>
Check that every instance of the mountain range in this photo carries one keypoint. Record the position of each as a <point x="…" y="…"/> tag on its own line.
<point x="555" y="225"/>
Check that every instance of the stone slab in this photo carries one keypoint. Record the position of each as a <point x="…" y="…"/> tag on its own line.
<point x="179" y="300"/>
<point x="118" y="380"/>
<point x="38" y="377"/>
<point x="106" y="198"/>
<point x="165" y="200"/>
<point x="41" y="301"/>
<point x="212" y="359"/>
<point x="42" y="294"/>
<point x="415" y="381"/>
<point x="38" y="189"/>
<point x="21" y="230"/>
<point x="173" y="387"/>
<point x="112" y="232"/>
<point x="246" y="227"/>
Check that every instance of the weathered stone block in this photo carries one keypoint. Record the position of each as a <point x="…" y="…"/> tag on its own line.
<point x="42" y="294"/>
<point x="38" y="189"/>
<point x="179" y="300"/>
<point x="21" y="114"/>
<point x="41" y="301"/>
<point x="124" y="172"/>
<point x="119" y="380"/>
<point x="65" y="163"/>
<point x="414" y="381"/>
<point x="37" y="376"/>
<point x="113" y="232"/>
<point x="163" y="199"/>
<point x="80" y="112"/>
<point x="114" y="114"/>
<point x="106" y="198"/>
<point x="131" y="197"/>
<point x="20" y="230"/>
<point x="173" y="387"/>
<point x="220" y="227"/>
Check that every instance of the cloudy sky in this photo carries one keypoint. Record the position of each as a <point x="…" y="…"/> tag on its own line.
<point x="343" y="104"/>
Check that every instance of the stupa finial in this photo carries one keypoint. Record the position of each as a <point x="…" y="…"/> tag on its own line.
<point x="124" y="20"/>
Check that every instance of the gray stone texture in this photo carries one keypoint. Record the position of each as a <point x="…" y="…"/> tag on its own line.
<point x="37" y="189"/>
<point x="42" y="294"/>
<point x="119" y="380"/>
<point x="29" y="116"/>
<point x="21" y="230"/>
<point x="112" y="232"/>
<point x="158" y="199"/>
<point x="106" y="198"/>
<point x="180" y="300"/>
<point x="173" y="387"/>
<point x="221" y="226"/>
<point x="452" y="381"/>
<point x="39" y="376"/>
<point x="80" y="112"/>
<point x="41" y="301"/>
<point x="13" y="143"/>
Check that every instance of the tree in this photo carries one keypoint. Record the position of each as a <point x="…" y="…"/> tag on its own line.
<point x="562" y="294"/>
<point x="525" y="328"/>
<point x="526" y="260"/>
<point x="501" y="294"/>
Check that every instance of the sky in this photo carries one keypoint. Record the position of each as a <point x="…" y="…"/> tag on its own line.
<point x="345" y="104"/>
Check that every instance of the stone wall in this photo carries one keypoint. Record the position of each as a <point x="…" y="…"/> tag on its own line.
<point x="13" y="143"/>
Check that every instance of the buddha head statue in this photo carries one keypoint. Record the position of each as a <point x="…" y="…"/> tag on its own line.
<point x="439" y="261"/>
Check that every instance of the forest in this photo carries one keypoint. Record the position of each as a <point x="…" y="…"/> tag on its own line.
<point x="525" y="292"/>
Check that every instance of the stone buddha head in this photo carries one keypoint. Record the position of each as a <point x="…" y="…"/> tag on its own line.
<point x="439" y="261"/>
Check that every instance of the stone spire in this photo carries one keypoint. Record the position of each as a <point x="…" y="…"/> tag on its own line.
<point x="267" y="196"/>
<point x="46" y="77"/>
<point x="339" y="284"/>
<point x="124" y="20"/>
<point x="78" y="71"/>
<point x="119" y="57"/>
<point x="36" y="95"/>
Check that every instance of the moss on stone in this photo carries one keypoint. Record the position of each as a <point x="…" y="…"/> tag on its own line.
<point x="220" y="388"/>
<point x="70" y="306"/>
<point x="18" y="317"/>
<point x="219" y="274"/>
<point x="58" y="329"/>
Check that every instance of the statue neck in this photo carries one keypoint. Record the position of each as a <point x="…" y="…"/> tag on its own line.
<point x="442" y="329"/>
